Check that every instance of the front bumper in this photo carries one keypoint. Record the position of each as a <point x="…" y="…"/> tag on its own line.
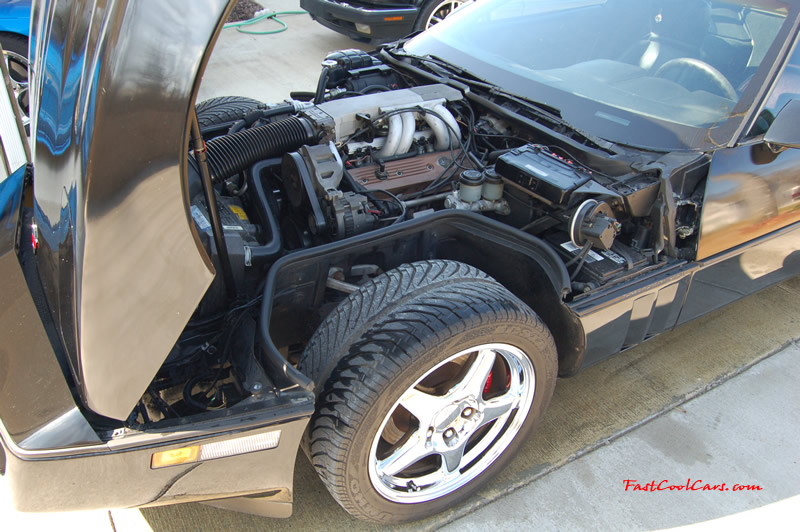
<point x="385" y="24"/>
<point x="118" y="473"/>
<point x="53" y="460"/>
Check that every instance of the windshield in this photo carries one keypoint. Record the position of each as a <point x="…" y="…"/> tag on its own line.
<point x="659" y="74"/>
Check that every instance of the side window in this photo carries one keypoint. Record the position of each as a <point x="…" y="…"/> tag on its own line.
<point x="786" y="88"/>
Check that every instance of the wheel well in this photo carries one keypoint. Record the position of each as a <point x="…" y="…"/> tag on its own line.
<point x="14" y="35"/>
<point x="525" y="265"/>
<point x="528" y="279"/>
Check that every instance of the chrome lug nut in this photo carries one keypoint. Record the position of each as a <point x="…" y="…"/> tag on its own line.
<point x="450" y="437"/>
<point x="429" y="438"/>
<point x="468" y="412"/>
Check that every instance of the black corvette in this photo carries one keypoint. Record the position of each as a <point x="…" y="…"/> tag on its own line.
<point x="390" y="275"/>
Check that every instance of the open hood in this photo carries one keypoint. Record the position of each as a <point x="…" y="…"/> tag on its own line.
<point x="112" y="89"/>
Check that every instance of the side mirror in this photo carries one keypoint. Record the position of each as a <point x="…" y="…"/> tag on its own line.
<point x="784" y="131"/>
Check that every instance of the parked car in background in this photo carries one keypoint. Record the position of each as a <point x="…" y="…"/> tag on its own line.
<point x="390" y="276"/>
<point x="380" y="21"/>
<point x="15" y="21"/>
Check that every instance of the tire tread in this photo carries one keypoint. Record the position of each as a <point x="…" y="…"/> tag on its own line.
<point x="223" y="109"/>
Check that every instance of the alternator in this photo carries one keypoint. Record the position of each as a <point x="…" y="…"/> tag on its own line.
<point x="352" y="214"/>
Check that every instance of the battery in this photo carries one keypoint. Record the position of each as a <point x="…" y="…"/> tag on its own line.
<point x="542" y="173"/>
<point x="600" y="265"/>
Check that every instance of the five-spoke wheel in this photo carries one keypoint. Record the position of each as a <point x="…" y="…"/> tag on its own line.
<point x="429" y="377"/>
<point x="452" y="423"/>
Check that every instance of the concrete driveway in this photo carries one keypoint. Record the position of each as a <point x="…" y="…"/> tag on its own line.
<point x="648" y="413"/>
<point x="601" y="420"/>
<point x="269" y="67"/>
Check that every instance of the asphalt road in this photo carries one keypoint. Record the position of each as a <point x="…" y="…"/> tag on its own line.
<point x="590" y="413"/>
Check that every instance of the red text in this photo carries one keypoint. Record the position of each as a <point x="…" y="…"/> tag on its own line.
<point x="689" y="485"/>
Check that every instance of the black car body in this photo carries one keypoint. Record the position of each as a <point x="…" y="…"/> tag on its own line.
<point x="375" y="21"/>
<point x="345" y="268"/>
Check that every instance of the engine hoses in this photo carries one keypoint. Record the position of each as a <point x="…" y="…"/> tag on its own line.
<point x="231" y="154"/>
<point x="322" y="84"/>
<point x="268" y="349"/>
<point x="260" y="114"/>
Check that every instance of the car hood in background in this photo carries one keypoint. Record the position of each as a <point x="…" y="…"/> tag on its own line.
<point x="15" y="16"/>
<point x="112" y="90"/>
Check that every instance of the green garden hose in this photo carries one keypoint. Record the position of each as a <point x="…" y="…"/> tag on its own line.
<point x="265" y="16"/>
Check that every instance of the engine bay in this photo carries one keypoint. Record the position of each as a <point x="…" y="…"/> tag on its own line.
<point x="369" y="150"/>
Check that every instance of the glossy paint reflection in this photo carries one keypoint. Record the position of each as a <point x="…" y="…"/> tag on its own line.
<point x="749" y="234"/>
<point x="751" y="192"/>
<point x="121" y="266"/>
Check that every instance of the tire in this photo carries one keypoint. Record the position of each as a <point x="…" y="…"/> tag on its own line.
<point x="15" y="48"/>
<point x="425" y="345"/>
<point x="434" y="11"/>
<point x="218" y="114"/>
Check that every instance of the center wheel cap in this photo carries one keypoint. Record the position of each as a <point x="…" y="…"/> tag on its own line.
<point x="454" y="416"/>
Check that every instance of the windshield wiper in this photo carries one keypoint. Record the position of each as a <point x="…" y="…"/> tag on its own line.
<point x="557" y="124"/>
<point x="446" y="72"/>
<point x="441" y="67"/>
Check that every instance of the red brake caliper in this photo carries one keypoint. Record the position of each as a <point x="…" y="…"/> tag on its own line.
<point x="488" y="386"/>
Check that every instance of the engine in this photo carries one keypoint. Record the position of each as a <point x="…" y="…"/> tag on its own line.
<point x="369" y="150"/>
<point x="301" y="174"/>
<point x="413" y="140"/>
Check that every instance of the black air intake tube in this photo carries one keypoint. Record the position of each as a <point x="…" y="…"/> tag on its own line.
<point x="230" y="154"/>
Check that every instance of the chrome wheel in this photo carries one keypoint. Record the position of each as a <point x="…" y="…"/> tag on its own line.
<point x="442" y="10"/>
<point x="17" y="66"/>
<point x="452" y="424"/>
<point x="433" y="376"/>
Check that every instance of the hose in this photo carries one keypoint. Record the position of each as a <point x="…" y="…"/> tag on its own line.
<point x="319" y="95"/>
<point x="230" y="154"/>
<point x="260" y="255"/>
<point x="251" y="117"/>
<point x="370" y="88"/>
<point x="268" y="349"/>
<point x="264" y="16"/>
<point x="303" y="96"/>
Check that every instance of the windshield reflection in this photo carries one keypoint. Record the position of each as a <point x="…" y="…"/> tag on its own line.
<point x="655" y="73"/>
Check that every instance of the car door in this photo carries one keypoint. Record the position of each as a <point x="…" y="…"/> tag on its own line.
<point x="749" y="235"/>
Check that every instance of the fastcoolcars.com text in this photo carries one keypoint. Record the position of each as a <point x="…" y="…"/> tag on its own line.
<point x="689" y="485"/>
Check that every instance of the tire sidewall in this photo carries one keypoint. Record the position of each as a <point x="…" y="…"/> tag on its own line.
<point x="427" y="354"/>
<point x="13" y="42"/>
<point x="427" y="8"/>
<point x="224" y="111"/>
<point x="424" y="13"/>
